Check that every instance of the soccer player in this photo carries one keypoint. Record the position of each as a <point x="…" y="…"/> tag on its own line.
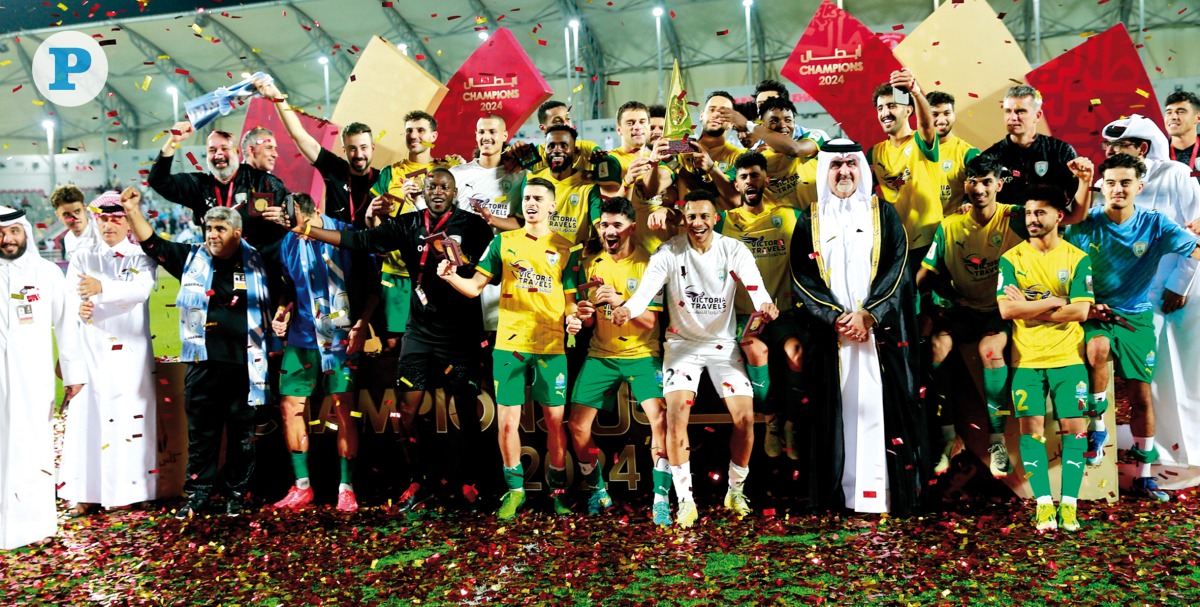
<point x="397" y="191"/>
<point x="953" y="151"/>
<point x="658" y="122"/>
<point x="703" y="269"/>
<point x="324" y="332"/>
<point x="766" y="230"/>
<point x="553" y="113"/>
<point x="534" y="264"/>
<point x="696" y="172"/>
<point x="905" y="164"/>
<point x="445" y="323"/>
<point x="1129" y="242"/>
<point x="963" y="261"/>
<point x="1181" y="115"/>
<point x="631" y="352"/>
<point x="1035" y="159"/>
<point x="259" y="149"/>
<point x="791" y="162"/>
<point x="483" y="186"/>
<point x="768" y="89"/>
<point x="1045" y="288"/>
<point x="576" y="195"/>
<point x="1168" y="188"/>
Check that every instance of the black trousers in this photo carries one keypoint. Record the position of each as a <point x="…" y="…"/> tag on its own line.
<point x="215" y="394"/>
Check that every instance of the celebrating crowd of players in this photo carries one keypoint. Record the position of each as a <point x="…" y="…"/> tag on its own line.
<point x="817" y="281"/>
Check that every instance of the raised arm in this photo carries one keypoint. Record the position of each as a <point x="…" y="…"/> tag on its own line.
<point x="309" y="146"/>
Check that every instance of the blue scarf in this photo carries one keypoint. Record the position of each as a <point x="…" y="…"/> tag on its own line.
<point x="326" y="283"/>
<point x="192" y="302"/>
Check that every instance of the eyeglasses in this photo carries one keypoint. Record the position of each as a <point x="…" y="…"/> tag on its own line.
<point x="1118" y="143"/>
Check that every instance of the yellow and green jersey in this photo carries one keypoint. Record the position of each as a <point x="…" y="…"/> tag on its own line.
<point x="583" y="155"/>
<point x="955" y="153"/>
<point x="793" y="180"/>
<point x="724" y="157"/>
<point x="646" y="238"/>
<point x="536" y="274"/>
<point x="768" y="235"/>
<point x="608" y="339"/>
<point x="1063" y="272"/>
<point x="910" y="178"/>
<point x="576" y="204"/>
<point x="969" y="253"/>
<point x="391" y="181"/>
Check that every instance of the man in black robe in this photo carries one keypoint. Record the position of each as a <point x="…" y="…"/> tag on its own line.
<point x="866" y="445"/>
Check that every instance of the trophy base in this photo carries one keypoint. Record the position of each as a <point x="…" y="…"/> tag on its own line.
<point x="679" y="146"/>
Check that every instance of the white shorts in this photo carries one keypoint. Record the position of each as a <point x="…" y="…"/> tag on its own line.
<point x="683" y="363"/>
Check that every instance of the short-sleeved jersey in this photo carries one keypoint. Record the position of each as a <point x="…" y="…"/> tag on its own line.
<point x="910" y="178"/>
<point x="723" y="156"/>
<point x="1125" y="255"/>
<point x="1044" y="162"/>
<point x="768" y="235"/>
<point x="608" y="339"/>
<point x="391" y="181"/>
<point x="793" y="180"/>
<point x="954" y="153"/>
<point x="535" y="274"/>
<point x="576" y="204"/>
<point x="583" y="155"/>
<point x="1064" y="272"/>
<point x="969" y="253"/>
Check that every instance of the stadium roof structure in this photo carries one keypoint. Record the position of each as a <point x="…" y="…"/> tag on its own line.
<point x="197" y="46"/>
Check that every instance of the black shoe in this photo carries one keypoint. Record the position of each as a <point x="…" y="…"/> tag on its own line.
<point x="193" y="507"/>
<point x="235" y="506"/>
<point x="412" y="497"/>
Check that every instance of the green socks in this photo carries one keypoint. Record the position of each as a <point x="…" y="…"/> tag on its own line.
<point x="1037" y="465"/>
<point x="993" y="390"/>
<point x="557" y="478"/>
<point x="515" y="477"/>
<point x="593" y="478"/>
<point x="347" y="472"/>
<point x="300" y="465"/>
<point x="662" y="480"/>
<point x="1072" y="463"/>
<point x="760" y="382"/>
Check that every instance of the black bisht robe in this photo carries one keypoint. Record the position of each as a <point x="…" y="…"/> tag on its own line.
<point x="892" y="300"/>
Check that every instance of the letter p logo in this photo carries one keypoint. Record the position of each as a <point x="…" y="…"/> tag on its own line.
<point x="68" y="61"/>
<point x="70" y="69"/>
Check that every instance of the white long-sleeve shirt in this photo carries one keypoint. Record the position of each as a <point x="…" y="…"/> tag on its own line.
<point x="700" y="288"/>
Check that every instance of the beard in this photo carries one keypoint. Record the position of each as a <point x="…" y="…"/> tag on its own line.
<point x="226" y="173"/>
<point x="714" y="132"/>
<point x="4" y="254"/>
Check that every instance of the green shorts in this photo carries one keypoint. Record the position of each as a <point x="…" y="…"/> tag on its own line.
<point x="1133" y="352"/>
<point x="598" y="380"/>
<point x="509" y="372"/>
<point x="395" y="300"/>
<point x="1067" y="387"/>
<point x="301" y="370"/>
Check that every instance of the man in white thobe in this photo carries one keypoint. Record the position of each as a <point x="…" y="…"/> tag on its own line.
<point x="109" y="449"/>
<point x="1169" y="189"/>
<point x="34" y="303"/>
<point x="848" y="257"/>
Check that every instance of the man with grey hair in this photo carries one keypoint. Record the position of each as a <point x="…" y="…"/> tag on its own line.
<point x="228" y="184"/>
<point x="1033" y="159"/>
<point x="259" y="148"/>
<point x="222" y="304"/>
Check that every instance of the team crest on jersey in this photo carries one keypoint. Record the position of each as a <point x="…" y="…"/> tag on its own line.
<point x="1064" y="276"/>
<point x="947" y="165"/>
<point x="574" y="200"/>
<point x="777" y="222"/>
<point x="1139" y="248"/>
<point x="1041" y="167"/>
<point x="631" y="285"/>
<point x="996" y="240"/>
<point x="552" y="257"/>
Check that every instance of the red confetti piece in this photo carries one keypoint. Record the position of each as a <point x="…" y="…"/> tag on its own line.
<point x="897" y="441"/>
<point x="419" y="57"/>
<point x="18" y="88"/>
<point x="541" y="42"/>
<point x="869" y="494"/>
<point x="613" y="83"/>
<point x="896" y="28"/>
<point x="181" y="71"/>
<point x="723" y="33"/>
